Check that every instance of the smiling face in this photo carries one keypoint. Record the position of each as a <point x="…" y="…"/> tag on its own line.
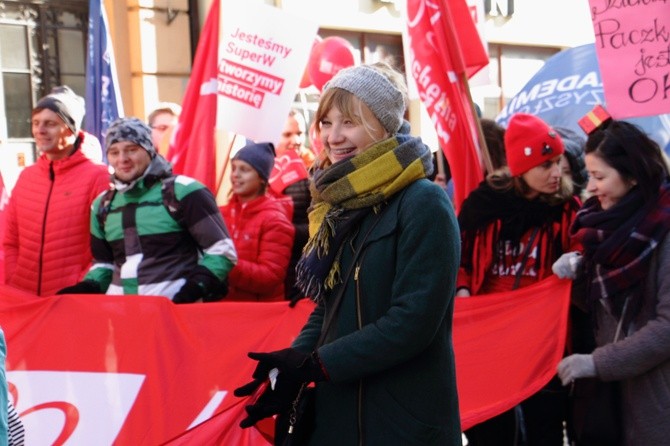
<point x="344" y="135"/>
<point x="52" y="136"/>
<point x="544" y="178"/>
<point x="128" y="159"/>
<point x="247" y="183"/>
<point x="605" y="182"/>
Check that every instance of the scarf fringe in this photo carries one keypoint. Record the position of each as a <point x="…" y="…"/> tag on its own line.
<point x="308" y="284"/>
<point x="334" y="276"/>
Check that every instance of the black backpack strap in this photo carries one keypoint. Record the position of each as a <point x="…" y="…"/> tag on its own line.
<point x="170" y="199"/>
<point x="105" y="206"/>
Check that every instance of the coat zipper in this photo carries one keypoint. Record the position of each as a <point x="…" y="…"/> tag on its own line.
<point x="52" y="178"/>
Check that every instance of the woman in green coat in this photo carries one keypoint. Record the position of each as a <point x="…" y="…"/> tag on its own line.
<point x="381" y="263"/>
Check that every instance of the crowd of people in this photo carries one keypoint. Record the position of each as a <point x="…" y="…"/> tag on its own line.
<point x="366" y="229"/>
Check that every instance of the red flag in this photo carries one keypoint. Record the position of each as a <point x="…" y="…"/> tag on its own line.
<point x="507" y="346"/>
<point x="222" y="429"/>
<point x="441" y="56"/>
<point x="193" y="147"/>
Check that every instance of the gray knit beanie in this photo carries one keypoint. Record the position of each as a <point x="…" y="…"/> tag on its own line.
<point x="260" y="156"/>
<point x="66" y="104"/>
<point x="376" y="91"/>
<point x="133" y="130"/>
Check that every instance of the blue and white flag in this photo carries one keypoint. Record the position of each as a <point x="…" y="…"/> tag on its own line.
<point x="566" y="88"/>
<point x="103" y="100"/>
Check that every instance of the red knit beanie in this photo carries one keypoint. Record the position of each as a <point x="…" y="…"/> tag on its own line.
<point x="529" y="141"/>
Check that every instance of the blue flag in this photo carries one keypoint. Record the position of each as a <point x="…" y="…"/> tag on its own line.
<point x="566" y="88"/>
<point x="103" y="101"/>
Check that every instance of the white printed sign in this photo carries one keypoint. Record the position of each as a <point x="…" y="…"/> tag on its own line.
<point x="262" y="54"/>
<point x="77" y="407"/>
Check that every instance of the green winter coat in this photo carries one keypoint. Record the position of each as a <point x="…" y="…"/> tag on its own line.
<point x="391" y="364"/>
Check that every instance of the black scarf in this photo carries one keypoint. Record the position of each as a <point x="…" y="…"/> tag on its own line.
<point x="485" y="206"/>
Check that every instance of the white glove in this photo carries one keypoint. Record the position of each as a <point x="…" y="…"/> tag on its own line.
<point x="463" y="292"/>
<point x="576" y="366"/>
<point x="567" y="265"/>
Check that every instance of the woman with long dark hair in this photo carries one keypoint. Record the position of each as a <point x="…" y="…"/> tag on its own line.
<point x="624" y="228"/>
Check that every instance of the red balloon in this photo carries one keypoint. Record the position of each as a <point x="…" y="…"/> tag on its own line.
<point x="327" y="58"/>
<point x="306" y="81"/>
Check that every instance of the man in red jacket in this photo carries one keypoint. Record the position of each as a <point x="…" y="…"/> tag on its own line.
<point x="47" y="222"/>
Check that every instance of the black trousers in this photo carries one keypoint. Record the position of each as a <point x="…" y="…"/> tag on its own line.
<point x="537" y="421"/>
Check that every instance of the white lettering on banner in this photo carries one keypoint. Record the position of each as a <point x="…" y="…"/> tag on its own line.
<point x="432" y="95"/>
<point x="435" y="100"/>
<point x="80" y="408"/>
<point x="557" y="93"/>
<point x="551" y="86"/>
<point x="240" y="93"/>
<point x="249" y="76"/>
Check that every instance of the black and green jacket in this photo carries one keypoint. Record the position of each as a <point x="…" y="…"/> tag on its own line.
<point x="141" y="247"/>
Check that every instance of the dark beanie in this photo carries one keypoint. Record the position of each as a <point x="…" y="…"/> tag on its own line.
<point x="574" y="152"/>
<point x="66" y="104"/>
<point x="260" y="156"/>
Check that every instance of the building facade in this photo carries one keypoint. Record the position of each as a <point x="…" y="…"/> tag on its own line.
<point x="43" y="43"/>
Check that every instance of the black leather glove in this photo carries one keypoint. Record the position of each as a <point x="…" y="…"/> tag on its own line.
<point x="83" y="287"/>
<point x="292" y="365"/>
<point x="220" y="291"/>
<point x="271" y="402"/>
<point x="189" y="293"/>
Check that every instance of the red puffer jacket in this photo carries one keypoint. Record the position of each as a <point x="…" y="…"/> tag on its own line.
<point x="47" y="234"/>
<point x="263" y="237"/>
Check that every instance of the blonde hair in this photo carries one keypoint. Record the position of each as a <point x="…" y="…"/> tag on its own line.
<point x="354" y="108"/>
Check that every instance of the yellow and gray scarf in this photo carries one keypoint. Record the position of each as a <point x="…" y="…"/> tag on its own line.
<point x="344" y="193"/>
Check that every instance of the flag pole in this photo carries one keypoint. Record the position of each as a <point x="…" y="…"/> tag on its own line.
<point x="483" y="147"/>
<point x="219" y="181"/>
<point x="462" y="72"/>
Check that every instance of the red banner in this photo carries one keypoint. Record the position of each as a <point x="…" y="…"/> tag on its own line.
<point x="288" y="169"/>
<point x="140" y="370"/>
<point x="445" y="49"/>
<point x="508" y="346"/>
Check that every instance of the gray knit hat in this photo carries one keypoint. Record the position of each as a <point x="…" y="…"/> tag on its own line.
<point x="260" y="156"/>
<point x="130" y="129"/>
<point x="376" y="91"/>
<point x="66" y="104"/>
